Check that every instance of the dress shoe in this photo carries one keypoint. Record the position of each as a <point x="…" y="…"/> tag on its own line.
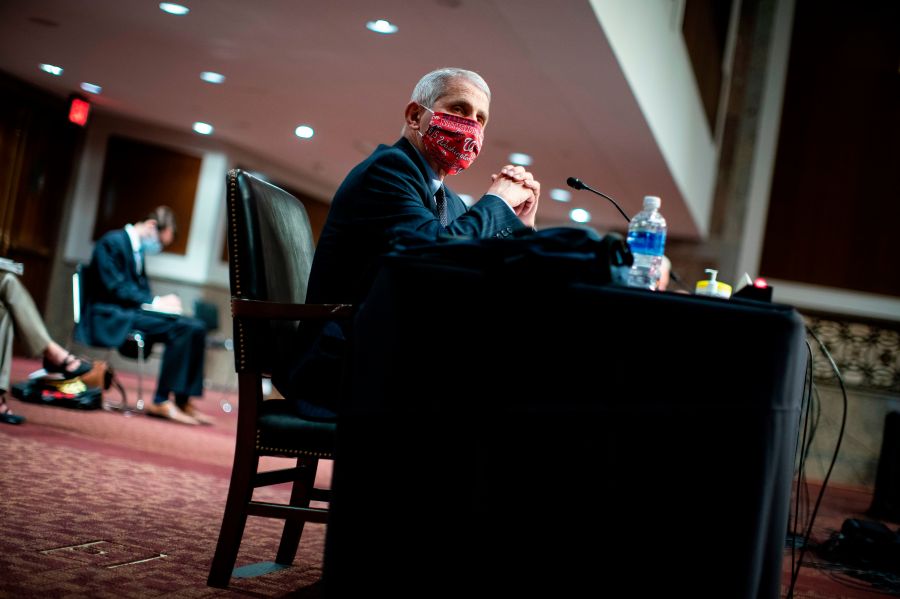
<point x="170" y="411"/>
<point x="196" y="414"/>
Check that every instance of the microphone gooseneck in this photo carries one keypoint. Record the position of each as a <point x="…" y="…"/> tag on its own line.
<point x="578" y="184"/>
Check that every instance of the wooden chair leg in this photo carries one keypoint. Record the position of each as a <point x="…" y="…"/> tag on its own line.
<point x="300" y="496"/>
<point x="240" y="491"/>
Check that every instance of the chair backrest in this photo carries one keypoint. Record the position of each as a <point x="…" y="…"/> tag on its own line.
<point x="270" y="252"/>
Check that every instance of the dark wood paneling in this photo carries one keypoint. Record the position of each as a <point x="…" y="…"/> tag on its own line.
<point x="139" y="176"/>
<point x="705" y="31"/>
<point x="318" y="212"/>
<point x="37" y="150"/>
<point x="835" y="200"/>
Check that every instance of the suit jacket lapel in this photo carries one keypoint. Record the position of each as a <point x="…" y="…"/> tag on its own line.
<point x="455" y="206"/>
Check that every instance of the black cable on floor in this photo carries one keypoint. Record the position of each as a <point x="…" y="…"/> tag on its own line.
<point x="837" y="448"/>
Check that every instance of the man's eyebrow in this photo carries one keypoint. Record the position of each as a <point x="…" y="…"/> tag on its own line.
<point x="467" y="105"/>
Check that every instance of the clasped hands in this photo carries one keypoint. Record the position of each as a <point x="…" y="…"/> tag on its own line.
<point x="519" y="189"/>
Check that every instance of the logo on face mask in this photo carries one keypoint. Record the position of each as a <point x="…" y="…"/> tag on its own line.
<point x="453" y="142"/>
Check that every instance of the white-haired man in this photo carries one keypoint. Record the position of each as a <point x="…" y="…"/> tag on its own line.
<point x="402" y="187"/>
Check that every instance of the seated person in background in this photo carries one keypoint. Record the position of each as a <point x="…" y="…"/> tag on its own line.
<point x="18" y="314"/>
<point x="116" y="287"/>
<point x="402" y="187"/>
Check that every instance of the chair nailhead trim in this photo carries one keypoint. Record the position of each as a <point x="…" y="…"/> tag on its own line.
<point x="303" y="452"/>
<point x="235" y="260"/>
<point x="241" y="344"/>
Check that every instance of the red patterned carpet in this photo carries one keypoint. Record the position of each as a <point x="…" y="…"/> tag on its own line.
<point x="823" y="575"/>
<point x="98" y="504"/>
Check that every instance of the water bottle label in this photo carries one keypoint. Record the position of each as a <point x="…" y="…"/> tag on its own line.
<point x="647" y="242"/>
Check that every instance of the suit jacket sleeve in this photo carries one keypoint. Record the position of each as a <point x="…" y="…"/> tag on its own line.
<point x="392" y="190"/>
<point x="115" y="274"/>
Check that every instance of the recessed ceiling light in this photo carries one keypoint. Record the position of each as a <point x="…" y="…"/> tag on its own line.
<point x="304" y="132"/>
<point x="580" y="215"/>
<point x="91" y="88"/>
<point x="203" y="128"/>
<point x="520" y="159"/>
<point x="560" y="195"/>
<point x="51" y="68"/>
<point x="382" y="26"/>
<point x="211" y="77"/>
<point x="174" y="9"/>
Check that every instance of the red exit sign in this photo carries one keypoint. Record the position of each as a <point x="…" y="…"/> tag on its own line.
<point x="79" y="109"/>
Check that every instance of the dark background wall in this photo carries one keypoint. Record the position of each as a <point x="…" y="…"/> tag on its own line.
<point x="835" y="200"/>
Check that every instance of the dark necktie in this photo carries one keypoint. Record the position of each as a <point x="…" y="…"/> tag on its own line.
<point x="441" y="200"/>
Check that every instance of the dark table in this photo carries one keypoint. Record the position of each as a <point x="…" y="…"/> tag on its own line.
<point x="534" y="436"/>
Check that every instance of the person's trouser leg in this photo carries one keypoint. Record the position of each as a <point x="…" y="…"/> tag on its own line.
<point x="181" y="371"/>
<point x="28" y="321"/>
<point x="182" y="366"/>
<point x="6" y="346"/>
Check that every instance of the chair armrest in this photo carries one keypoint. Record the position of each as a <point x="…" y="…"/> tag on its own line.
<point x="245" y="308"/>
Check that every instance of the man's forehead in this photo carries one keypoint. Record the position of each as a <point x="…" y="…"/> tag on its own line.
<point x="461" y="90"/>
<point x="464" y="87"/>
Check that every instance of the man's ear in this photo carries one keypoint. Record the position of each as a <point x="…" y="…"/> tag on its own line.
<point x="152" y="222"/>
<point x="413" y="114"/>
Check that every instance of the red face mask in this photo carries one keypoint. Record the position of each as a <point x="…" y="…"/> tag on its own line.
<point x="453" y="142"/>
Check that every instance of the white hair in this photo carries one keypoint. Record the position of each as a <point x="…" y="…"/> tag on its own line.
<point x="434" y="85"/>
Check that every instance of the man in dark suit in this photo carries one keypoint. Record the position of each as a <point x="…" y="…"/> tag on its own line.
<point x="401" y="187"/>
<point x="118" y="300"/>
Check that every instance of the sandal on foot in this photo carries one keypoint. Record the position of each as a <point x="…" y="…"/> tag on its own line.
<point x="62" y="369"/>
<point x="8" y="417"/>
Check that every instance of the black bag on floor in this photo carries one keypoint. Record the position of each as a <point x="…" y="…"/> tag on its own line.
<point x="54" y="394"/>
<point x="886" y="500"/>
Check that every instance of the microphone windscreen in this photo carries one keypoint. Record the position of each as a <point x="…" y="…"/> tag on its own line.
<point x="574" y="183"/>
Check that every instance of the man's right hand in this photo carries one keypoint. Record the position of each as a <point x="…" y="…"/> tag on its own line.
<point x="519" y="190"/>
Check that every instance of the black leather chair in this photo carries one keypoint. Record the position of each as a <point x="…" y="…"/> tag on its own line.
<point x="270" y="248"/>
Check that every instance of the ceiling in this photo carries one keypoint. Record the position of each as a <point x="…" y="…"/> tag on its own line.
<point x="559" y="94"/>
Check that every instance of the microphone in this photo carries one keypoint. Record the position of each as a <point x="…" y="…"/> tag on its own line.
<point x="578" y="184"/>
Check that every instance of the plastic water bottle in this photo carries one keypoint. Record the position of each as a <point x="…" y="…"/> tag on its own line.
<point x="647" y="240"/>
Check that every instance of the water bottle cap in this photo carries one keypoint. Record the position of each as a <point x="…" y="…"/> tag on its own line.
<point x="652" y="203"/>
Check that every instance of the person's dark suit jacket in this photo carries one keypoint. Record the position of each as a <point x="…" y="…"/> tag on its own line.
<point x="388" y="192"/>
<point x="113" y="291"/>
